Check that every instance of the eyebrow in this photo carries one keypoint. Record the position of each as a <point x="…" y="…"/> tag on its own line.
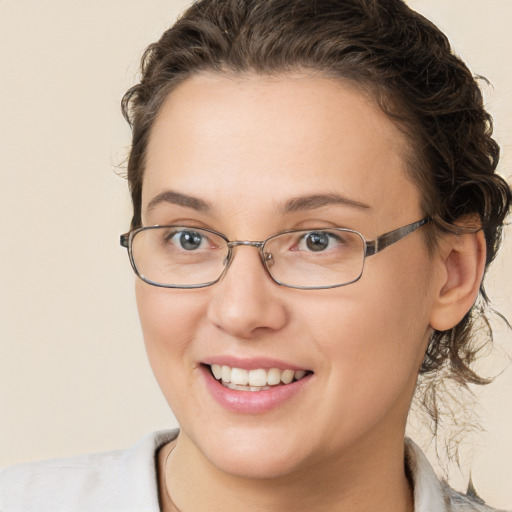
<point x="296" y="204"/>
<point x="170" y="196"/>
<point x="311" y="202"/>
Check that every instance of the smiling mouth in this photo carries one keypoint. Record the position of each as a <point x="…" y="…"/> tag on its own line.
<point x="255" y="380"/>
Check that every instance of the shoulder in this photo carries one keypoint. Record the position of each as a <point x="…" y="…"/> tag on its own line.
<point x="434" y="495"/>
<point x="123" y="480"/>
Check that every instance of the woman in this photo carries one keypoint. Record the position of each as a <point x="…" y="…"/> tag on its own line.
<point x="279" y="147"/>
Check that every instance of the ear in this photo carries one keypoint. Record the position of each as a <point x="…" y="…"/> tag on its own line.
<point x="462" y="264"/>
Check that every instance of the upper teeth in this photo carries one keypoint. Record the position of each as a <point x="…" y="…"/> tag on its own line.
<point x="259" y="377"/>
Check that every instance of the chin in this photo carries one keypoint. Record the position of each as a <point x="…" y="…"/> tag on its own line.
<point x="257" y="455"/>
<point x="256" y="466"/>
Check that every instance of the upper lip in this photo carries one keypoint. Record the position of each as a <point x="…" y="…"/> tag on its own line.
<point x="252" y="363"/>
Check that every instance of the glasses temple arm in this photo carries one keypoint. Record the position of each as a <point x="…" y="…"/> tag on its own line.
<point x="124" y="240"/>
<point x="387" y="239"/>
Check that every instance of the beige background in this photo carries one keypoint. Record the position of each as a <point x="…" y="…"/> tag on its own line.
<point x="73" y="373"/>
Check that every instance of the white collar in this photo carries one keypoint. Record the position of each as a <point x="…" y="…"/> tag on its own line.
<point x="428" y="490"/>
<point x="126" y="481"/>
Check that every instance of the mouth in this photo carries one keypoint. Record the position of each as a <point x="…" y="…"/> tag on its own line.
<point x="259" y="379"/>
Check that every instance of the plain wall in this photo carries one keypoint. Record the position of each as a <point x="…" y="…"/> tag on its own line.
<point x="73" y="372"/>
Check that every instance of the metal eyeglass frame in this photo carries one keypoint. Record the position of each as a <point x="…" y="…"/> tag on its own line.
<point x="371" y="247"/>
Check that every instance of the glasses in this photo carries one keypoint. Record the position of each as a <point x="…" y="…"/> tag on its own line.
<point x="308" y="259"/>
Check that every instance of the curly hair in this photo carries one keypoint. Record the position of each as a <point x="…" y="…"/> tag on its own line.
<point x="398" y="57"/>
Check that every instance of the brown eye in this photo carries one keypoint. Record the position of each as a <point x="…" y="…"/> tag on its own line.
<point x="317" y="241"/>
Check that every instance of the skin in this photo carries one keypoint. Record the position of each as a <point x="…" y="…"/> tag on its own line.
<point x="247" y="145"/>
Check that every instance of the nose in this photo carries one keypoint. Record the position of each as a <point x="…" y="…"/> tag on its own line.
<point x="246" y="301"/>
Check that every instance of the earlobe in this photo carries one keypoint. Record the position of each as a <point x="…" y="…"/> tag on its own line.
<point x="462" y="260"/>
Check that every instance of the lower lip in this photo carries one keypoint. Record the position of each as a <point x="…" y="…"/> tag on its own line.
<point x="252" y="402"/>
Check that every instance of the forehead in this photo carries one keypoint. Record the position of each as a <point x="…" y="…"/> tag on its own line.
<point x="237" y="139"/>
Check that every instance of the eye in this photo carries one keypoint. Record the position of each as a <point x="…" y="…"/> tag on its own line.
<point x="318" y="241"/>
<point x="188" y="240"/>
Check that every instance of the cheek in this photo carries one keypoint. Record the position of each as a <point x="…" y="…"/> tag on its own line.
<point x="372" y="338"/>
<point x="169" y="320"/>
<point x="398" y="309"/>
<point x="370" y="343"/>
<point x="388" y="308"/>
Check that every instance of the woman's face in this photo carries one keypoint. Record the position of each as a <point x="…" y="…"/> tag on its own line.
<point x="250" y="157"/>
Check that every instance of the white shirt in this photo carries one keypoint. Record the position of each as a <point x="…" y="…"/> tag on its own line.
<point x="126" y="481"/>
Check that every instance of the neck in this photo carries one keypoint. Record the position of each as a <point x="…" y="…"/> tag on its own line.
<point x="354" y="482"/>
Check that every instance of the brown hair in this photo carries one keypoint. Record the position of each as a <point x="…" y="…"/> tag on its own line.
<point x="387" y="50"/>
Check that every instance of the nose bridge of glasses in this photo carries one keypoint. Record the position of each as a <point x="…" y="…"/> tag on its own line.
<point x="249" y="243"/>
<point x="265" y="258"/>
